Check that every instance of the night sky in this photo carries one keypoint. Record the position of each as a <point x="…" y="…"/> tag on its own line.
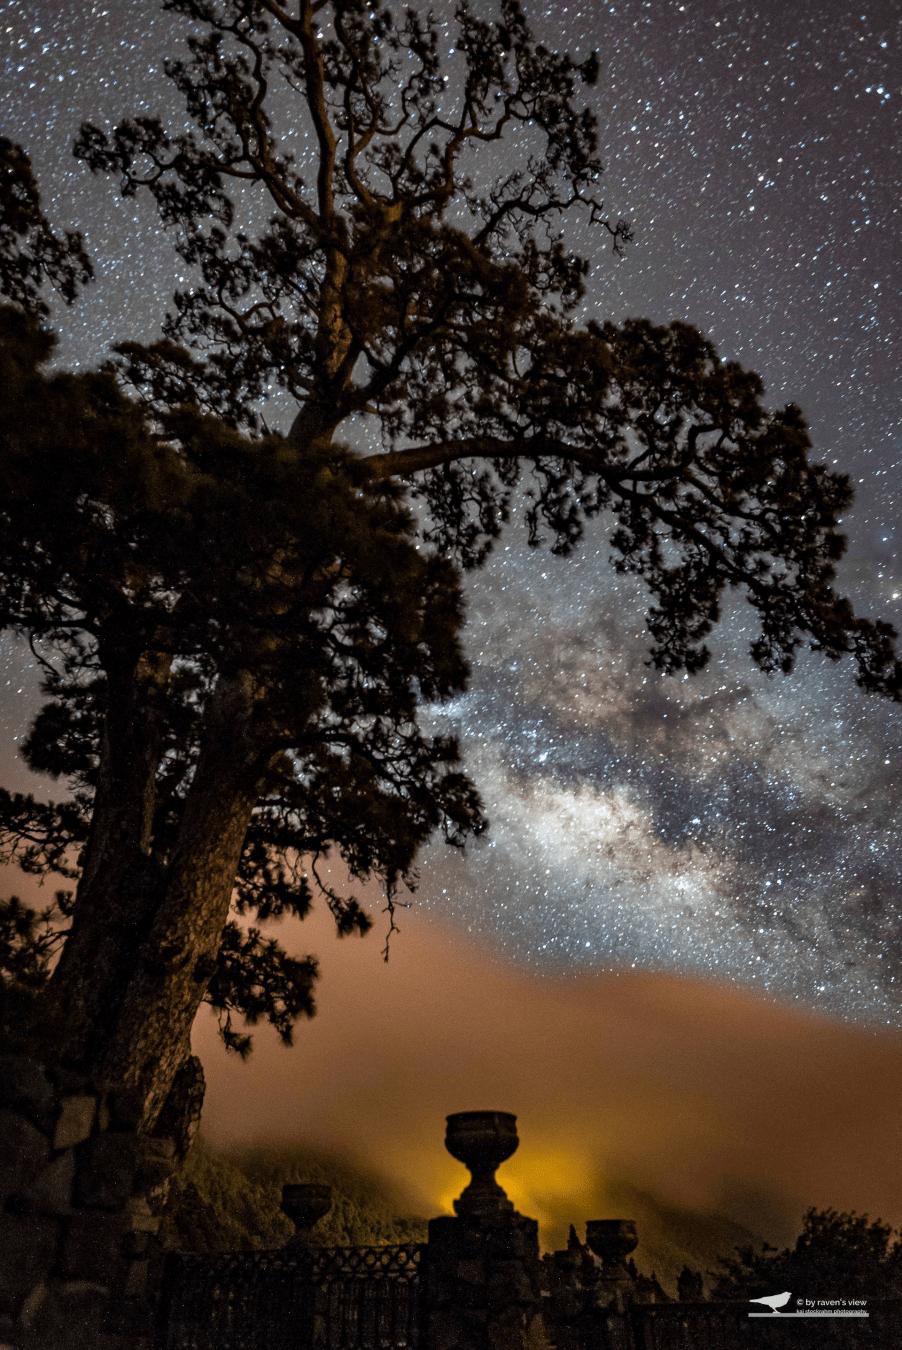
<point x="728" y="828"/>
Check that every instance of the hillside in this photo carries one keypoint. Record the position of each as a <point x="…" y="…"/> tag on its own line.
<point x="230" y="1201"/>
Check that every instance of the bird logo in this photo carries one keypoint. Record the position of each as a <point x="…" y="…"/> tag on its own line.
<point x="773" y="1301"/>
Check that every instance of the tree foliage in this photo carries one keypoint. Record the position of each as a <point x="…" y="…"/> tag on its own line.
<point x="221" y="555"/>
<point x="30" y="253"/>
<point x="28" y="938"/>
<point x="835" y="1256"/>
<point x="238" y="627"/>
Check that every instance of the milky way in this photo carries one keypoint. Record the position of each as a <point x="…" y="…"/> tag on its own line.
<point x="732" y="825"/>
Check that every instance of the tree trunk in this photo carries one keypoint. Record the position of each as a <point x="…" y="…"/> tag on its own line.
<point x="121" y="882"/>
<point x="145" y="936"/>
<point x="148" y="1041"/>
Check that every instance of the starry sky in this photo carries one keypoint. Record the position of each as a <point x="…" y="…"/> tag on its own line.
<point x="730" y="824"/>
<point x="738" y="832"/>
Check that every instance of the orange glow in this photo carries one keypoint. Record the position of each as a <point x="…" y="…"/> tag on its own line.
<point x="529" y="1181"/>
<point x="699" y="1096"/>
<point x="538" y="1178"/>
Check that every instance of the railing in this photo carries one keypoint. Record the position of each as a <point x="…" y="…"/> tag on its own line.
<point x="325" y="1298"/>
<point x="366" y="1298"/>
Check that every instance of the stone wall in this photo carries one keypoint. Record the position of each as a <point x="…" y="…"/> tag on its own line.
<point x="77" y="1235"/>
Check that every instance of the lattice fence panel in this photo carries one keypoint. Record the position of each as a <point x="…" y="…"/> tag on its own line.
<point x="330" y="1298"/>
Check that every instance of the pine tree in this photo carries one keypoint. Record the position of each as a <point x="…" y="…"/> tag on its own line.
<point x="239" y="627"/>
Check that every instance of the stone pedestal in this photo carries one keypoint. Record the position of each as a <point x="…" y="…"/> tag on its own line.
<point x="482" y="1275"/>
<point x="482" y="1284"/>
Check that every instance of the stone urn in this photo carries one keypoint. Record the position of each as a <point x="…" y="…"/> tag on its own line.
<point x="305" y="1205"/>
<point x="482" y="1141"/>
<point x="611" y="1240"/>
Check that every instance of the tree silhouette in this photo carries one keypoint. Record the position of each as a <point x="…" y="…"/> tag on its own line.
<point x="238" y="627"/>
<point x="30" y="253"/>
<point x="835" y="1256"/>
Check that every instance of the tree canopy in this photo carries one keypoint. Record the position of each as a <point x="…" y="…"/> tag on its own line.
<point x="835" y="1256"/>
<point x="238" y="627"/>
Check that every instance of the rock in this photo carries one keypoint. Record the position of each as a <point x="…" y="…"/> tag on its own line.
<point x="52" y="1191"/>
<point x="156" y="1161"/>
<point x="75" y="1121"/>
<point x="66" y="1316"/>
<point x="91" y="1248"/>
<point x="141" y="1217"/>
<point x="23" y="1150"/>
<point x="106" y="1171"/>
<point x="124" y="1108"/>
<point x="24" y="1085"/>
<point x="28" y="1244"/>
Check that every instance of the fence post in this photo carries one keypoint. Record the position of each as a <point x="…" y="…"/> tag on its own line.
<point x="591" y="1290"/>
<point x="482" y="1278"/>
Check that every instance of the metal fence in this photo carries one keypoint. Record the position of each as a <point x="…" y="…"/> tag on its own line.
<point x="327" y="1298"/>
<point x="369" y="1298"/>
